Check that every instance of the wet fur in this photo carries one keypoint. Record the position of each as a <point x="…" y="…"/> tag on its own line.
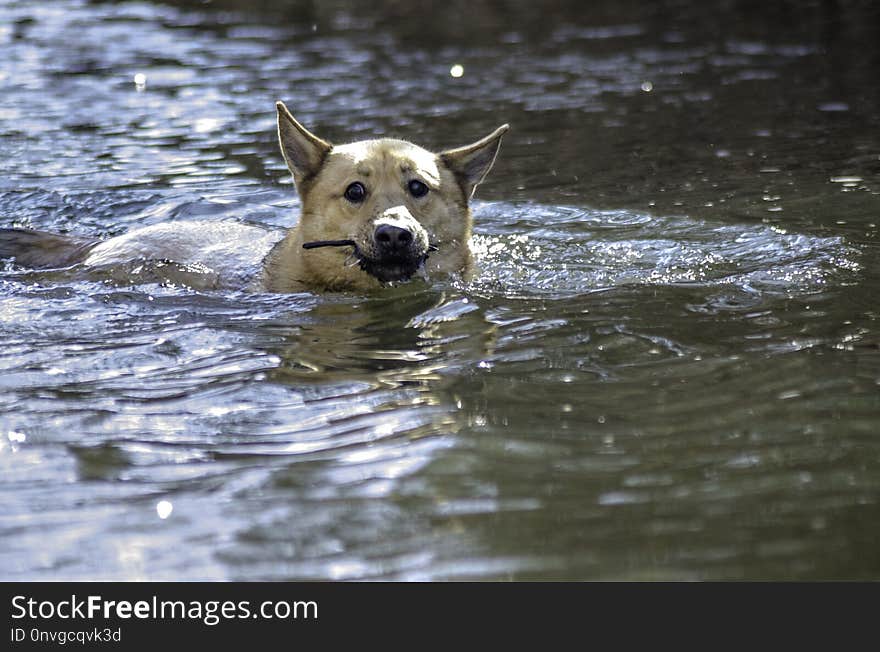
<point x="40" y="250"/>
<point x="440" y="221"/>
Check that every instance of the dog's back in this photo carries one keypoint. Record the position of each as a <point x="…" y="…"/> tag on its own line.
<point x="41" y="250"/>
<point x="231" y="251"/>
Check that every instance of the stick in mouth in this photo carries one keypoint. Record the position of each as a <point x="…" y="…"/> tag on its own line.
<point x="345" y="243"/>
<point x="328" y="243"/>
<point x="399" y="270"/>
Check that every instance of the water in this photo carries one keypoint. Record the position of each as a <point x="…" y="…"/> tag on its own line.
<point x="667" y="367"/>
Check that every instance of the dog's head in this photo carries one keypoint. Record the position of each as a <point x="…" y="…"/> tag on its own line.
<point x="374" y="211"/>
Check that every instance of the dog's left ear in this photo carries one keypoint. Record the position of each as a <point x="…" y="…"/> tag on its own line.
<point x="303" y="151"/>
<point x="472" y="163"/>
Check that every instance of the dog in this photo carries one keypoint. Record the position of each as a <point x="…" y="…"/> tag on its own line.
<point x="374" y="213"/>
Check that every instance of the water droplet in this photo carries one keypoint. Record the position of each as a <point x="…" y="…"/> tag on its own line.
<point x="17" y="437"/>
<point x="647" y="86"/>
<point x="164" y="509"/>
<point x="207" y="125"/>
<point x="457" y="70"/>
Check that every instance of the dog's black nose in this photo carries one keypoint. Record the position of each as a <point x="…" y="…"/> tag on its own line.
<point x="392" y="238"/>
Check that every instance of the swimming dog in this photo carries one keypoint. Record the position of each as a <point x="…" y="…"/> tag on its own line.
<point x="374" y="212"/>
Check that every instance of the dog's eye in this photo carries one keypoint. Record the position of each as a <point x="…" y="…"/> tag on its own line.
<point x="355" y="192"/>
<point x="417" y="188"/>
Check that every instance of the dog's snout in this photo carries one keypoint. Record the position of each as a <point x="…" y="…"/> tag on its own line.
<point x="392" y="238"/>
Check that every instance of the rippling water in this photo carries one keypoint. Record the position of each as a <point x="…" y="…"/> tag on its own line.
<point x="667" y="366"/>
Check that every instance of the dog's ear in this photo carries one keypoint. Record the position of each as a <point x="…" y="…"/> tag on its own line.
<point x="472" y="163"/>
<point x="303" y="151"/>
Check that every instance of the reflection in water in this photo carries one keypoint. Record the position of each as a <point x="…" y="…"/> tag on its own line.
<point x="666" y="366"/>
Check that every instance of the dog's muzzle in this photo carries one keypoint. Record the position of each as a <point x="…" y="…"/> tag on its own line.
<point x="395" y="249"/>
<point x="392" y="248"/>
<point x="397" y="254"/>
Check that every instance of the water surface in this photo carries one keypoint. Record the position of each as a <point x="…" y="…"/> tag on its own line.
<point x="667" y="367"/>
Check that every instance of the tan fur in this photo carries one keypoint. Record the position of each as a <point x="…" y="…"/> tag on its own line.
<point x="438" y="224"/>
<point x="322" y="173"/>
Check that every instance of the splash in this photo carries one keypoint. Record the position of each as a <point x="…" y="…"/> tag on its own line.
<point x="528" y="249"/>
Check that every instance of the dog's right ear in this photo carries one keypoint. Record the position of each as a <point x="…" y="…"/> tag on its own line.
<point x="472" y="163"/>
<point x="303" y="151"/>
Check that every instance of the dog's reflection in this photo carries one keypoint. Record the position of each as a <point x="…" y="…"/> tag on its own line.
<point x="396" y="338"/>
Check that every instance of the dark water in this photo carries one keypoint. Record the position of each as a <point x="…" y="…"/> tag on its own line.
<point x="668" y="366"/>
